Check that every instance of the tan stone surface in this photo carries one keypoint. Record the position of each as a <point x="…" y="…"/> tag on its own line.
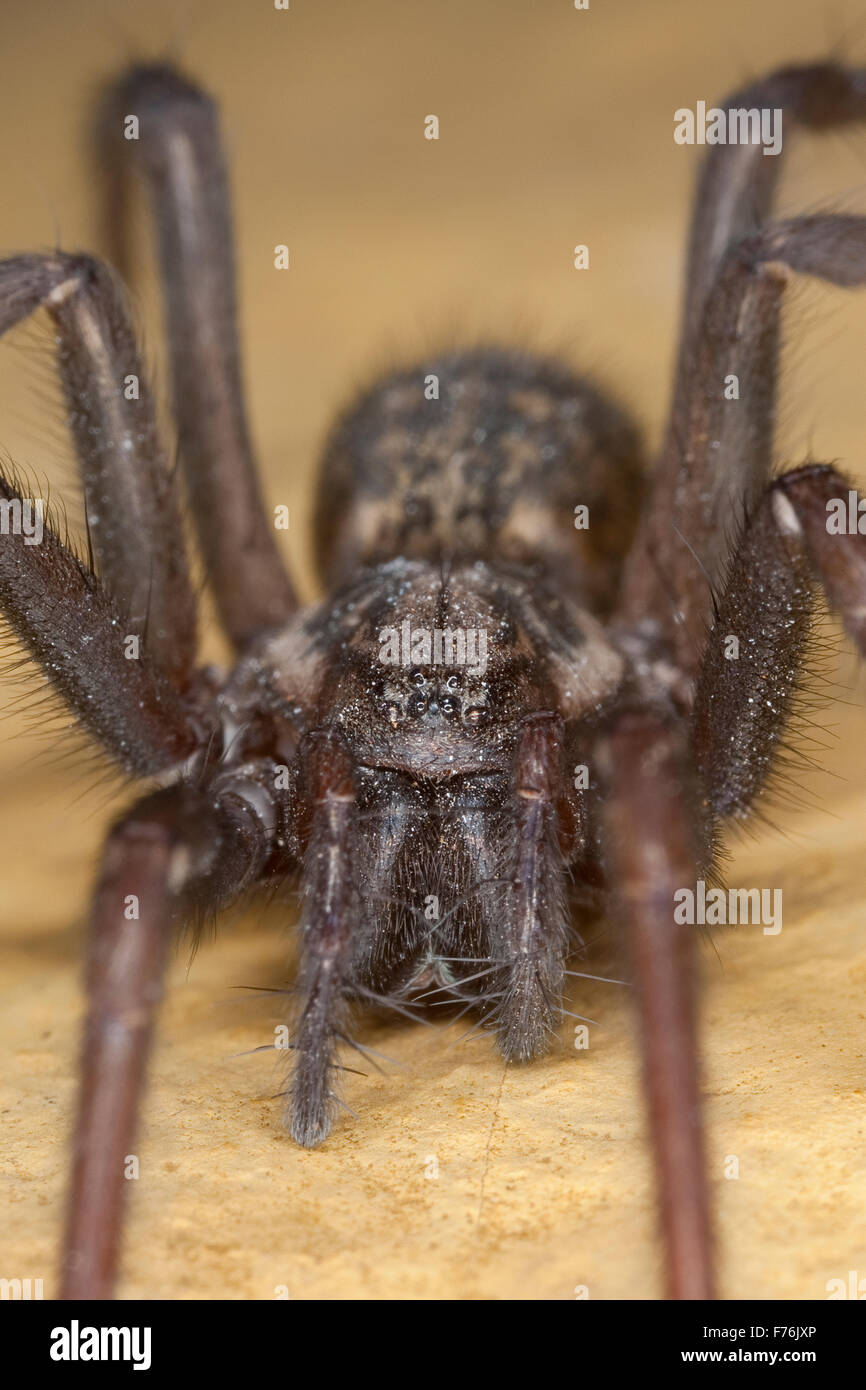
<point x="555" y="128"/>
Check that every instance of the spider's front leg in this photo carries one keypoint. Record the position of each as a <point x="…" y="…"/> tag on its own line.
<point x="183" y="851"/>
<point x="651" y="851"/>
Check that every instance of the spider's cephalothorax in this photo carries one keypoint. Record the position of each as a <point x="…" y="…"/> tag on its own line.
<point x="515" y="699"/>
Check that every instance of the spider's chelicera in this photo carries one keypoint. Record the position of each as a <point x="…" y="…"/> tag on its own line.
<point x="496" y="717"/>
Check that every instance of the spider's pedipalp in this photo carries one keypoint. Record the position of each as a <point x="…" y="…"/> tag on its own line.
<point x="530" y="935"/>
<point x="328" y="915"/>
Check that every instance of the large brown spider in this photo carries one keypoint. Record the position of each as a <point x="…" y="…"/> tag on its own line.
<point x="496" y="716"/>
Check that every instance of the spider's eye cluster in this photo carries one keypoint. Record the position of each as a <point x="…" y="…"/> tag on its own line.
<point x="441" y="696"/>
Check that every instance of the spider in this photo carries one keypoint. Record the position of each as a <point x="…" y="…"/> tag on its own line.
<point x="497" y="719"/>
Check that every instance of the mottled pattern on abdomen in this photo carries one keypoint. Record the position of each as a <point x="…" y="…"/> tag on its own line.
<point x="493" y="467"/>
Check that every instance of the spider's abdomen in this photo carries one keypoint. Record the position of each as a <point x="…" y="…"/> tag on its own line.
<point x="483" y="454"/>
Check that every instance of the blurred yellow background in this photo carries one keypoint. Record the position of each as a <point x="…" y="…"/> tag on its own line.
<point x="555" y="128"/>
